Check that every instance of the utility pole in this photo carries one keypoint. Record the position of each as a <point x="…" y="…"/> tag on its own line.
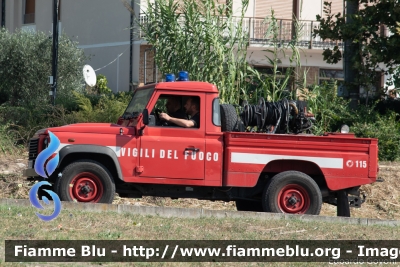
<point x="3" y="13"/>
<point x="131" y="49"/>
<point x="350" y="52"/>
<point x="53" y="81"/>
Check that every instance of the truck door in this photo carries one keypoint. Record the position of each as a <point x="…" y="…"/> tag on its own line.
<point x="171" y="151"/>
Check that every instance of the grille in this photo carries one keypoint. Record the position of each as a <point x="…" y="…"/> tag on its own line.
<point x="33" y="148"/>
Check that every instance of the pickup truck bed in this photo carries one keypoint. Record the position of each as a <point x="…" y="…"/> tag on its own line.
<point x="343" y="161"/>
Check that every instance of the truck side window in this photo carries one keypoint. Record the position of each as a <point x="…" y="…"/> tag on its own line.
<point x="174" y="107"/>
<point x="192" y="108"/>
<point x="216" y="119"/>
<point x="177" y="111"/>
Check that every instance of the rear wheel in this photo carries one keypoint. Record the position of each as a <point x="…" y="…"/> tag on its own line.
<point x="247" y="205"/>
<point x="86" y="181"/>
<point x="292" y="192"/>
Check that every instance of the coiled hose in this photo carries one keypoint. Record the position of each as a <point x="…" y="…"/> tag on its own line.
<point x="282" y="116"/>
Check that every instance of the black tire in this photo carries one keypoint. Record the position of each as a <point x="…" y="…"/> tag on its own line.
<point x="247" y="205"/>
<point x="229" y="118"/>
<point x="292" y="192"/>
<point x="86" y="181"/>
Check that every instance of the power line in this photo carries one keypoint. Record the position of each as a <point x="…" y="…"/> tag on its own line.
<point x="113" y="60"/>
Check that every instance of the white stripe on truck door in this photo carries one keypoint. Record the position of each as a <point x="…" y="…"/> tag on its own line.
<point x="254" y="158"/>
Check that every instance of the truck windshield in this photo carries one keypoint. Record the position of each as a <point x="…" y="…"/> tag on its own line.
<point x="138" y="102"/>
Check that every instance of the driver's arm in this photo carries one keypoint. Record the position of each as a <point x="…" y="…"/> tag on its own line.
<point x="179" y="122"/>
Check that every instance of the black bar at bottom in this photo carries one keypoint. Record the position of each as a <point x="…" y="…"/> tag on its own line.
<point x="332" y="251"/>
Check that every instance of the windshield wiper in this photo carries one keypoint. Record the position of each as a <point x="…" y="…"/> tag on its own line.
<point x="135" y="114"/>
<point x="128" y="115"/>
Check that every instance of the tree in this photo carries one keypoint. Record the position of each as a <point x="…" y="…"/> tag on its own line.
<point x="25" y="65"/>
<point x="201" y="37"/>
<point x="374" y="48"/>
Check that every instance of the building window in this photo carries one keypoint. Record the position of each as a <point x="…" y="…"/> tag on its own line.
<point x="29" y="12"/>
<point x="29" y="15"/>
<point x="329" y="75"/>
<point x="374" y="89"/>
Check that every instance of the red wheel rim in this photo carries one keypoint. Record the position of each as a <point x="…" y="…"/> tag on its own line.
<point x="86" y="187"/>
<point x="293" y="198"/>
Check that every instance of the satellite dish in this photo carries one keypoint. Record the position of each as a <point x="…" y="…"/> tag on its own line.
<point x="89" y="75"/>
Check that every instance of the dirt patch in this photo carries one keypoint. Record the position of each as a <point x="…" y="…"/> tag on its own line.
<point x="12" y="166"/>
<point x="12" y="183"/>
<point x="383" y="199"/>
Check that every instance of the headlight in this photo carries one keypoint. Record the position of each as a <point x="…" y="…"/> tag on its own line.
<point x="344" y="129"/>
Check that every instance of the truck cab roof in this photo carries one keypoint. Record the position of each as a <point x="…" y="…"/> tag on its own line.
<point x="193" y="86"/>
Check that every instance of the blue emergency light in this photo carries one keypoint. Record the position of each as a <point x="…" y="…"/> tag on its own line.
<point x="183" y="76"/>
<point x="170" y="77"/>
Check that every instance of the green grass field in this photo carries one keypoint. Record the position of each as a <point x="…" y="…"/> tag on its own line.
<point x="21" y="223"/>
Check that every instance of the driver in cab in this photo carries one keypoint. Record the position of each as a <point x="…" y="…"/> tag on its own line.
<point x="173" y="107"/>
<point x="192" y="108"/>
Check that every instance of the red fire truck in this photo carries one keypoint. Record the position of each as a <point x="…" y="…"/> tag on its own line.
<point x="252" y="160"/>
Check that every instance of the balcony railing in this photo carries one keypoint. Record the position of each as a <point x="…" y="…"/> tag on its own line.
<point x="256" y="28"/>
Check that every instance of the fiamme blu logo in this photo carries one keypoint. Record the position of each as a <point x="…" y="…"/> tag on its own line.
<point x="45" y="167"/>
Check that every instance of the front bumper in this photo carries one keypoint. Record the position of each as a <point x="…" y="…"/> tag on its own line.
<point x="30" y="173"/>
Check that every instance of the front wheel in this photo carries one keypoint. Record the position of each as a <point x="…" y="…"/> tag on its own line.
<point x="86" y="181"/>
<point x="292" y="192"/>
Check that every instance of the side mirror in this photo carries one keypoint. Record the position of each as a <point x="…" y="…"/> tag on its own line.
<point x="145" y="116"/>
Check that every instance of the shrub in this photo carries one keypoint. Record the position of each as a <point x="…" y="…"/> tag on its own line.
<point x="22" y="122"/>
<point x="25" y="60"/>
<point x="369" y="123"/>
<point x="389" y="104"/>
<point x="332" y="111"/>
<point x="8" y="145"/>
<point x="107" y="108"/>
<point x="328" y="109"/>
<point x="101" y="85"/>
